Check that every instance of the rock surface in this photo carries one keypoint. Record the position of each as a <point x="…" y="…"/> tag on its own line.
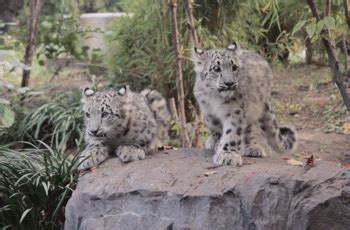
<point x="182" y="189"/>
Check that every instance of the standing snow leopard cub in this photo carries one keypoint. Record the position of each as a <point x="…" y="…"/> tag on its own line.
<point x="232" y="88"/>
<point x="123" y="122"/>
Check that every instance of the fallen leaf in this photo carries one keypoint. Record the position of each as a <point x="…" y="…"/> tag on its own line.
<point x="93" y="169"/>
<point x="294" y="162"/>
<point x="248" y="162"/>
<point x="346" y="127"/>
<point x="346" y="165"/>
<point x="165" y="147"/>
<point x="285" y="158"/>
<point x="210" y="173"/>
<point x="310" y="161"/>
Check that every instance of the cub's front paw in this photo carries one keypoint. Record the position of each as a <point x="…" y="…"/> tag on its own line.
<point x="130" y="153"/>
<point x="92" y="158"/>
<point x="228" y="158"/>
<point x="255" y="151"/>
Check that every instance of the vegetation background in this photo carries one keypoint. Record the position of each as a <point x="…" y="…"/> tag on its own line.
<point x="41" y="124"/>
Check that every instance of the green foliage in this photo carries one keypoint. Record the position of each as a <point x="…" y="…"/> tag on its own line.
<point x="35" y="185"/>
<point x="264" y="25"/>
<point x="7" y="116"/>
<point x="58" y="122"/>
<point x="144" y="54"/>
<point x="60" y="36"/>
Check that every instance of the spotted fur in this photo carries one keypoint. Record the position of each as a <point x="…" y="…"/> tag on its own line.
<point x="123" y="122"/>
<point x="233" y="90"/>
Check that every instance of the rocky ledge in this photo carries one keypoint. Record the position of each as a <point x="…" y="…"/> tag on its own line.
<point x="182" y="189"/>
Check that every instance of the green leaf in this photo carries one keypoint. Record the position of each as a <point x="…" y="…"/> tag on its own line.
<point x="329" y="22"/>
<point x="310" y="29"/>
<point x="319" y="27"/>
<point x="8" y="117"/>
<point x="24" y="214"/>
<point x="298" y="26"/>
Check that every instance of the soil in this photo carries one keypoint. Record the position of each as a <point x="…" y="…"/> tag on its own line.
<point x="303" y="96"/>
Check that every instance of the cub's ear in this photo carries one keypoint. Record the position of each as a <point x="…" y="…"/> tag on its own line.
<point x="198" y="57"/>
<point x="87" y="93"/>
<point x="123" y="90"/>
<point x="233" y="46"/>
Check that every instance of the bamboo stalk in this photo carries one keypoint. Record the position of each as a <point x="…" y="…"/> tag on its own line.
<point x="179" y="78"/>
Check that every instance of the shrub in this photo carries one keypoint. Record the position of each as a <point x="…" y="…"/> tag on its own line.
<point x="35" y="185"/>
<point x="58" y="122"/>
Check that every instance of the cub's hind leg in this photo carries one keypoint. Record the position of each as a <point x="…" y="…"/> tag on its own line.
<point x="251" y="147"/>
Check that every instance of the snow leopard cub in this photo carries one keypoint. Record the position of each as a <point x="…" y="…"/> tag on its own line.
<point x="232" y="88"/>
<point x="123" y="122"/>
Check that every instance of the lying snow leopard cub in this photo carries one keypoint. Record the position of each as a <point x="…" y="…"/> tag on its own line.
<point x="127" y="123"/>
<point x="232" y="88"/>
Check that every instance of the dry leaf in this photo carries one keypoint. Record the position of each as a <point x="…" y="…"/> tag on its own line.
<point x="210" y="173"/>
<point x="310" y="161"/>
<point x="248" y="162"/>
<point x="294" y="162"/>
<point x="346" y="127"/>
<point x="165" y="147"/>
<point x="93" y="169"/>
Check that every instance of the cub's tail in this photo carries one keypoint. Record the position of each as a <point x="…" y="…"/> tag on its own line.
<point x="158" y="105"/>
<point x="281" y="139"/>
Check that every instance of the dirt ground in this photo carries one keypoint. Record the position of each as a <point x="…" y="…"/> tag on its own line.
<point x="305" y="97"/>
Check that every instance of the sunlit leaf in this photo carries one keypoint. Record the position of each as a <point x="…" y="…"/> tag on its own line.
<point x="298" y="26"/>
<point x="8" y="116"/>
<point x="329" y="22"/>
<point x="310" y="29"/>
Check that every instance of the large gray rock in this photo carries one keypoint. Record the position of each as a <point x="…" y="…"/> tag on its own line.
<point x="180" y="189"/>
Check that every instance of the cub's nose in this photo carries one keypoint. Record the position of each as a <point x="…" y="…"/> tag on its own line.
<point x="94" y="132"/>
<point x="229" y="84"/>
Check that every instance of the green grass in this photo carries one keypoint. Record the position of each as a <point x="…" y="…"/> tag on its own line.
<point x="57" y="122"/>
<point x="35" y="185"/>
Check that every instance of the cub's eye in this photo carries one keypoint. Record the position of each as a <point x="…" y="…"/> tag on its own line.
<point x="104" y="115"/>
<point x="87" y="115"/>
<point x="234" y="67"/>
<point x="217" y="69"/>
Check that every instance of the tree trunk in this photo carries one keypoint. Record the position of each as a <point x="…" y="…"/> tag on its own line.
<point x="347" y="12"/>
<point x="179" y="78"/>
<point x="309" y="51"/>
<point x="332" y="58"/>
<point x="194" y="42"/>
<point x="35" y="7"/>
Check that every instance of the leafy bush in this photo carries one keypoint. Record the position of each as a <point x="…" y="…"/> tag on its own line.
<point x="35" y="185"/>
<point x="58" y="122"/>
<point x="144" y="54"/>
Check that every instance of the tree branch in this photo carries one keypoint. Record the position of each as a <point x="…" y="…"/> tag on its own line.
<point x="333" y="61"/>
<point x="347" y="12"/>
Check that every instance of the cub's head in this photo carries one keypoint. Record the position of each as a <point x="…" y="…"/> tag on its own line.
<point x="219" y="69"/>
<point x="103" y="111"/>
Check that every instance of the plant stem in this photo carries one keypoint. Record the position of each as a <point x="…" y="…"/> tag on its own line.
<point x="179" y="78"/>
